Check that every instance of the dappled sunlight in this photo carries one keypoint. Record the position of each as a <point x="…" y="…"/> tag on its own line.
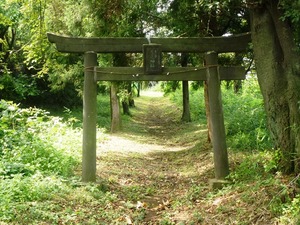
<point x="161" y="166"/>
<point x="156" y="158"/>
<point x="154" y="126"/>
<point x="116" y="143"/>
<point x="152" y="94"/>
<point x="200" y="131"/>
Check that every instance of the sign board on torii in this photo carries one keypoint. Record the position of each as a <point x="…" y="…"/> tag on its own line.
<point x="212" y="73"/>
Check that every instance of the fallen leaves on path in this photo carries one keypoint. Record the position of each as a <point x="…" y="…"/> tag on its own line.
<point x="160" y="167"/>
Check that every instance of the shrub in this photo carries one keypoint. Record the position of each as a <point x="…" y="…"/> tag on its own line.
<point x="245" y="118"/>
<point x="23" y="147"/>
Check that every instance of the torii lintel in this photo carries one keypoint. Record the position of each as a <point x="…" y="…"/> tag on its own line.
<point x="221" y="44"/>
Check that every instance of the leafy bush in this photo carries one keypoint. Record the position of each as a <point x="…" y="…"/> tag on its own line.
<point x="291" y="212"/>
<point x="15" y="192"/>
<point x="36" y="158"/>
<point x="18" y="87"/>
<point x="23" y="147"/>
<point x="245" y="118"/>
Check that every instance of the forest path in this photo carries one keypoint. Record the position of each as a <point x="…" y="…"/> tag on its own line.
<point x="154" y="126"/>
<point x="156" y="160"/>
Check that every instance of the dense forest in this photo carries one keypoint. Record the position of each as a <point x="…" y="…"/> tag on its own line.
<point x="41" y="116"/>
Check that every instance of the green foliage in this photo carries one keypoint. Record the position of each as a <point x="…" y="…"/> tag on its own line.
<point x="205" y="18"/>
<point x="39" y="155"/>
<point x="30" y="163"/>
<point x="291" y="14"/>
<point x="103" y="109"/>
<point x="169" y="86"/>
<point x="251" y="168"/>
<point x="257" y="170"/>
<point x="291" y="212"/>
<point x="23" y="147"/>
<point x="194" y="192"/>
<point x="50" y="199"/>
<point x="16" y="191"/>
<point x="245" y="119"/>
<point x="18" y="88"/>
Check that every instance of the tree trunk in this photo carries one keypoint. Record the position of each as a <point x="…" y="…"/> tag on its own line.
<point x="207" y="111"/>
<point x="186" y="115"/>
<point x="131" y="94"/>
<point x="3" y="30"/>
<point x="278" y="71"/>
<point x="125" y="107"/>
<point x="127" y="98"/>
<point x="119" y="59"/>
<point x="139" y="85"/>
<point x="237" y="86"/>
<point x="116" y="122"/>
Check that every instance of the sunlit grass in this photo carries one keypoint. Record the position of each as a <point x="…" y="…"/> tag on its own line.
<point x="244" y="115"/>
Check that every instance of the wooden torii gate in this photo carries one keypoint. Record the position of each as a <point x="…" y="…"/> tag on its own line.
<point x="153" y="71"/>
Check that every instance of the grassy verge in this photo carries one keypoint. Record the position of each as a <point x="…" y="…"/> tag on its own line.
<point x="167" y="184"/>
<point x="244" y="116"/>
<point x="259" y="194"/>
<point x="40" y="170"/>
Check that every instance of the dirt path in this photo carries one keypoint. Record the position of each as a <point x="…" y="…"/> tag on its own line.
<point x="155" y="163"/>
<point x="154" y="126"/>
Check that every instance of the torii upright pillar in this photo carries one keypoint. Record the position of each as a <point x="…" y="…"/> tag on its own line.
<point x="216" y="116"/>
<point x="89" y="119"/>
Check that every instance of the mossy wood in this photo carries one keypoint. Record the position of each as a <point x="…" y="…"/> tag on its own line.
<point x="168" y="74"/>
<point x="233" y="43"/>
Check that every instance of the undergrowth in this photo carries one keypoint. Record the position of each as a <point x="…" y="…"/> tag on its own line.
<point x="244" y="116"/>
<point x="255" y="179"/>
<point x="40" y="165"/>
<point x="40" y="158"/>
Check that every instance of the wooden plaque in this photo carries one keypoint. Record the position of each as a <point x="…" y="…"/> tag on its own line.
<point x="152" y="58"/>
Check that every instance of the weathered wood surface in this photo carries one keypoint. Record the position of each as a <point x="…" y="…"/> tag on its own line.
<point x="233" y="43"/>
<point x="168" y="74"/>
<point x="89" y="120"/>
<point x="216" y="118"/>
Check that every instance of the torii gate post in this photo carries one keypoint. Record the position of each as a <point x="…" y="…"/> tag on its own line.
<point x="89" y="119"/>
<point x="216" y="117"/>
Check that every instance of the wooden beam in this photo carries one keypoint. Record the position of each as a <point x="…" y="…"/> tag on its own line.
<point x="233" y="43"/>
<point x="168" y="74"/>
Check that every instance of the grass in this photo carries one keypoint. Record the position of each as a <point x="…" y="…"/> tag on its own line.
<point x="155" y="171"/>
<point x="244" y="116"/>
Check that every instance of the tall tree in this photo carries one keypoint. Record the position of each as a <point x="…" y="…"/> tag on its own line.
<point x="207" y="18"/>
<point x="186" y="115"/>
<point x="277" y="62"/>
<point x="119" y="59"/>
<point x="116" y="122"/>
